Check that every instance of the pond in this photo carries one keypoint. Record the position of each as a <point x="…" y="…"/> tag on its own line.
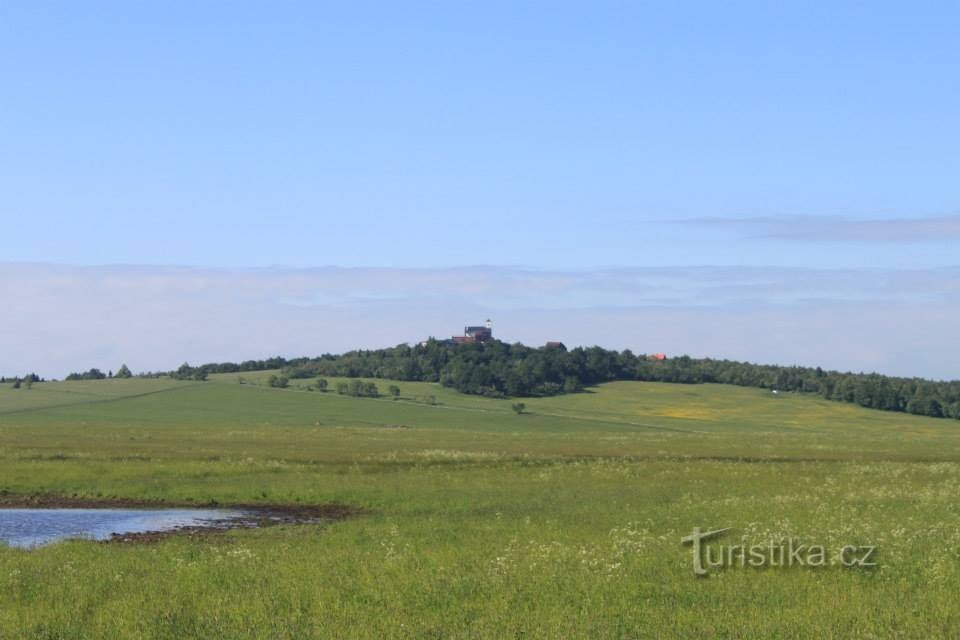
<point x="26" y="528"/>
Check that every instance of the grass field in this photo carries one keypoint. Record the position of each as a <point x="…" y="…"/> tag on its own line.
<point x="562" y="522"/>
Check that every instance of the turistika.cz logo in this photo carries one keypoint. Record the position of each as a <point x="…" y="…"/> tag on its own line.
<point x="785" y="553"/>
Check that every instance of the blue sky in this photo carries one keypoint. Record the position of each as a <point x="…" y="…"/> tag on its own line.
<point x="591" y="137"/>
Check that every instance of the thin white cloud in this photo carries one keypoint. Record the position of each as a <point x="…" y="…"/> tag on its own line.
<point x="57" y="319"/>
<point x="838" y="228"/>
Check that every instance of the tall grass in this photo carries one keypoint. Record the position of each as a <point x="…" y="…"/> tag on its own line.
<point x="482" y="523"/>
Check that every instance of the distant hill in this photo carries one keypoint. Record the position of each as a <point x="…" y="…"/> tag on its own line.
<point x="498" y="369"/>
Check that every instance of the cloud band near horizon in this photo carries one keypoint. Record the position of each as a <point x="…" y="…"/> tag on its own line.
<point x="915" y="230"/>
<point x="65" y="318"/>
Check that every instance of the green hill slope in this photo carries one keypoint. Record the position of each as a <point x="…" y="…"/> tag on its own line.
<point x="224" y="418"/>
<point x="561" y="522"/>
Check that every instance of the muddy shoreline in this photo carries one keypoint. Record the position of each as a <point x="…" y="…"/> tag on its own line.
<point x="256" y="515"/>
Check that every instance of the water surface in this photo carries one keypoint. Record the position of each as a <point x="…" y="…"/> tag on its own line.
<point x="27" y="528"/>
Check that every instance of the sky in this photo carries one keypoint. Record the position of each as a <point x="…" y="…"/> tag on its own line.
<point x="764" y="181"/>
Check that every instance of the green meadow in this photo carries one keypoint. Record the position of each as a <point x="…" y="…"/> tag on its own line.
<point x="478" y="522"/>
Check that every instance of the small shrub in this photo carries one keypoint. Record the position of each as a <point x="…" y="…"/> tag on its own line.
<point x="278" y="382"/>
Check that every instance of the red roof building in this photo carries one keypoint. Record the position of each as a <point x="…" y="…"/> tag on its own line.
<point x="475" y="334"/>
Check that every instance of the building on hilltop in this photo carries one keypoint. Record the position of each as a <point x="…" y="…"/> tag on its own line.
<point x="471" y="335"/>
<point x="480" y="334"/>
<point x="475" y="334"/>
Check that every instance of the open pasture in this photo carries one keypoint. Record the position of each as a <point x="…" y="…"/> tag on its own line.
<point x="564" y="521"/>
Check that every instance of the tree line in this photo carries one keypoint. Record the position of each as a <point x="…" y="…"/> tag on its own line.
<point x="498" y="369"/>
<point x="20" y="382"/>
<point x="96" y="374"/>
